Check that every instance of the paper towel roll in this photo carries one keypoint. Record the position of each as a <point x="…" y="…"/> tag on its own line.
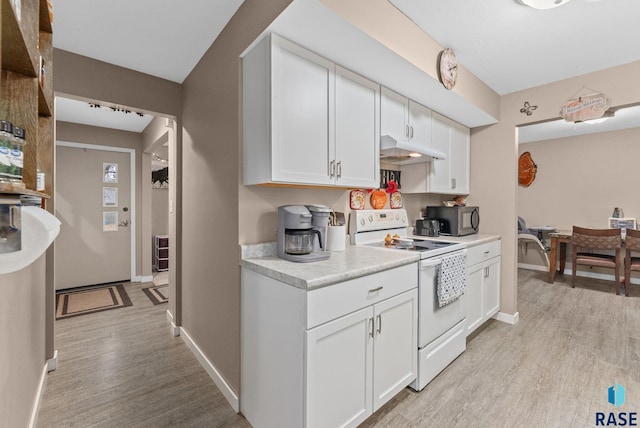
<point x="336" y="237"/>
<point x="39" y="229"/>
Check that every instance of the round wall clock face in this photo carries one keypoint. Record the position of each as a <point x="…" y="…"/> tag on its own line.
<point x="447" y="68"/>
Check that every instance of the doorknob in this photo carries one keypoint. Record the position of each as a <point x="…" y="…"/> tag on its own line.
<point x="123" y="223"/>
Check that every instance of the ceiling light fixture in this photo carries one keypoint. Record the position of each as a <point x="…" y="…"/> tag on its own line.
<point x="543" y="4"/>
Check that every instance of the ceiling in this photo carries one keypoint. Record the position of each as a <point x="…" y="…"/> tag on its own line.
<point x="505" y="44"/>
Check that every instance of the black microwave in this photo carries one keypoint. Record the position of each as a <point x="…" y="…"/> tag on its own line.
<point x="457" y="220"/>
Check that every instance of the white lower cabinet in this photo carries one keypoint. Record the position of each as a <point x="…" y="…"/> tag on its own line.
<point x="303" y="365"/>
<point x="483" y="284"/>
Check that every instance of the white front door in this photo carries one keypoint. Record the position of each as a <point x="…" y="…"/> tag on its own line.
<point x="93" y="202"/>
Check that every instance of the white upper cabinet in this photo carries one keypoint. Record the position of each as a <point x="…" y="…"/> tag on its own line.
<point x="403" y="119"/>
<point x="444" y="176"/>
<point x="305" y="120"/>
<point x="302" y="90"/>
<point x="357" y="124"/>
<point x="451" y="175"/>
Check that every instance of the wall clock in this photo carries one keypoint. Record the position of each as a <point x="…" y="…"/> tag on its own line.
<point x="447" y="68"/>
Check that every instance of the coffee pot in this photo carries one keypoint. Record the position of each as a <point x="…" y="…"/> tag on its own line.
<point x="301" y="233"/>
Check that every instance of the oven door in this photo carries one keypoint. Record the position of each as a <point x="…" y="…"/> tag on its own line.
<point x="434" y="320"/>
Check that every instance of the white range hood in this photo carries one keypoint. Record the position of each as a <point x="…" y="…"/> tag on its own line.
<point x="401" y="152"/>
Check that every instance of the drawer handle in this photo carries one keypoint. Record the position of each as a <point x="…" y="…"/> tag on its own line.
<point x="373" y="290"/>
<point x="486" y="252"/>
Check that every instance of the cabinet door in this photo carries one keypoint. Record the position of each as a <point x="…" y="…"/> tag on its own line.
<point x="395" y="346"/>
<point x="459" y="162"/>
<point x="439" y="175"/>
<point x="419" y="124"/>
<point x="394" y="114"/>
<point x="302" y="91"/>
<point x="339" y="365"/>
<point x="473" y="296"/>
<point x="491" y="288"/>
<point x="357" y="136"/>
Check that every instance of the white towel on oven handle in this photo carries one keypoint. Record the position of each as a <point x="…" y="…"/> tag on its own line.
<point x="452" y="277"/>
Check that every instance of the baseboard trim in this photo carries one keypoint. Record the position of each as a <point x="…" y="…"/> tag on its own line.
<point x="33" y="420"/>
<point x="527" y="266"/>
<point x="568" y="272"/>
<point x="175" y="330"/>
<point x="148" y="278"/>
<point x="52" y="363"/>
<point x="508" y="318"/>
<point x="217" y="378"/>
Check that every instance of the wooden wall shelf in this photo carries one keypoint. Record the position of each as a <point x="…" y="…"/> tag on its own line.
<point x="8" y="189"/>
<point x="16" y="54"/>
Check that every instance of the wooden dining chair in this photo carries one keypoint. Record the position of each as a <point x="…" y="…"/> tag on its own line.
<point x="631" y="245"/>
<point x="587" y="242"/>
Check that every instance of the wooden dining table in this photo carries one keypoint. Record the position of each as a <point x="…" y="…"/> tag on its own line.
<point x="558" y="238"/>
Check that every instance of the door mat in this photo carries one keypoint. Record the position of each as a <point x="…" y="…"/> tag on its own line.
<point x="157" y="294"/>
<point x="89" y="300"/>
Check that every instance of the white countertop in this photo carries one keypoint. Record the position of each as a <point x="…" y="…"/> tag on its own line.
<point x="354" y="262"/>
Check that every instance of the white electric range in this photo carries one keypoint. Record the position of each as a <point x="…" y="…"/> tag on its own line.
<point x="441" y="330"/>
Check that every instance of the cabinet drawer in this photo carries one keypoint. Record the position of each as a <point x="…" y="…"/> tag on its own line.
<point x="333" y="301"/>
<point x="483" y="252"/>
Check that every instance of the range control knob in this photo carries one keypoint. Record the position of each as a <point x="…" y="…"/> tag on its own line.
<point x="362" y="221"/>
<point x="370" y="218"/>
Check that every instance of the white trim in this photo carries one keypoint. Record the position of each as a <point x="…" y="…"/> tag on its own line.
<point x="217" y="378"/>
<point x="527" y="266"/>
<point x="175" y="330"/>
<point x="33" y="419"/>
<point x="52" y="363"/>
<point x="568" y="272"/>
<point x="138" y="278"/>
<point x="508" y="318"/>
<point x="132" y="165"/>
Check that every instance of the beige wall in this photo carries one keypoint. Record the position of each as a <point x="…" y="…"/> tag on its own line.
<point x="22" y="342"/>
<point x="580" y="180"/>
<point x="159" y="212"/>
<point x="214" y="208"/>
<point x="494" y="154"/>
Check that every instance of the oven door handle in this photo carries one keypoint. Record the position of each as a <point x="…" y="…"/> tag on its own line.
<point x="429" y="263"/>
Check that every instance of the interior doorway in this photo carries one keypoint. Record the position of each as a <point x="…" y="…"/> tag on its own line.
<point x="95" y="201"/>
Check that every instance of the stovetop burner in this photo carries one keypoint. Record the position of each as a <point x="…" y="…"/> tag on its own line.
<point x="414" y="245"/>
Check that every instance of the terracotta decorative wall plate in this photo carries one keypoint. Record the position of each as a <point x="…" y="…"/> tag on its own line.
<point x="378" y="199"/>
<point x="527" y="169"/>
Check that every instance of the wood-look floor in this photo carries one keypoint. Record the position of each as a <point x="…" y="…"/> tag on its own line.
<point x="122" y="368"/>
